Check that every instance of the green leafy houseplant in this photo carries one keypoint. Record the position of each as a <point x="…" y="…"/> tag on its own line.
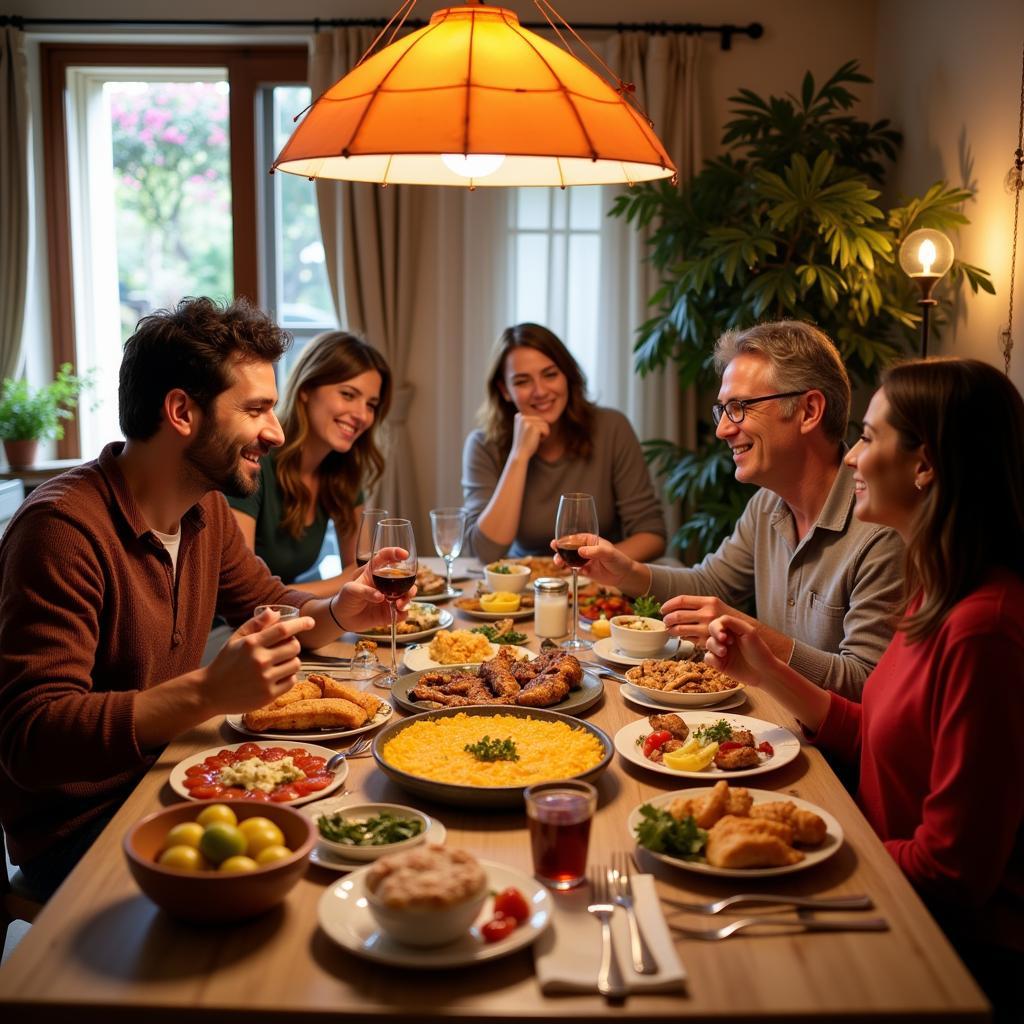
<point x="783" y="225"/>
<point x="36" y="414"/>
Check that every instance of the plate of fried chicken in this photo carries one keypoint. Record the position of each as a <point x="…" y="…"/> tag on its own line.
<point x="555" y="680"/>
<point x="736" y="832"/>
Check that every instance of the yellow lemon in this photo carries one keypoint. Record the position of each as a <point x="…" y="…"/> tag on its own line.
<point x="500" y="601"/>
<point x="601" y="628"/>
<point x="695" y="762"/>
<point x="221" y="841"/>
<point x="691" y="746"/>
<point x="238" y="864"/>
<point x="255" y="824"/>
<point x="216" y="812"/>
<point x="184" y="858"/>
<point x="188" y="833"/>
<point x="258" y="839"/>
<point x="269" y="854"/>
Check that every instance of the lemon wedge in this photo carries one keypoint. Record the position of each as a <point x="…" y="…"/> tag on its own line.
<point x="691" y="746"/>
<point x="500" y="601"/>
<point x="601" y="627"/>
<point x="697" y="761"/>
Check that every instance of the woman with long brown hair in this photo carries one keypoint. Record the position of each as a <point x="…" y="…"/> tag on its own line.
<point x="542" y="437"/>
<point x="938" y="737"/>
<point x="337" y="395"/>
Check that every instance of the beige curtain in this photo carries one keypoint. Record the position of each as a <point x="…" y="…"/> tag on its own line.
<point x="663" y="68"/>
<point x="372" y="237"/>
<point x="14" y="239"/>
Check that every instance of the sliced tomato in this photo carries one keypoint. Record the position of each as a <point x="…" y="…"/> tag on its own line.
<point x="499" y="927"/>
<point x="232" y="793"/>
<point x="258" y="795"/>
<point x="296" y="752"/>
<point x="730" y="745"/>
<point x="272" y="753"/>
<point x="512" y="903"/>
<point x="196" y="781"/>
<point x="283" y="794"/>
<point x="312" y="765"/>
<point x="196" y="769"/>
<point x="247" y="750"/>
<point x="206" y="792"/>
<point x="313" y="784"/>
<point x="764" y="747"/>
<point x="655" y="741"/>
<point x="215" y="763"/>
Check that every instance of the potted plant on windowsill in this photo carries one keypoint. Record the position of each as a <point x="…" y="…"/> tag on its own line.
<point x="29" y="415"/>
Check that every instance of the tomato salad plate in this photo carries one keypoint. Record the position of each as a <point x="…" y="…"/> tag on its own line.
<point x="292" y="774"/>
<point x="345" y="917"/>
<point x="774" y="745"/>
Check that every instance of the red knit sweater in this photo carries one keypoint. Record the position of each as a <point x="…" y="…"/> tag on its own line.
<point x="940" y="742"/>
<point x="91" y="612"/>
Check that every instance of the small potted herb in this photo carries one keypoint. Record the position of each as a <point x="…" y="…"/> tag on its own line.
<point x="30" y="415"/>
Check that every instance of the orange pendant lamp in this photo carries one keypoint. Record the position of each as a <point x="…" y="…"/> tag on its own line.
<point x="474" y="99"/>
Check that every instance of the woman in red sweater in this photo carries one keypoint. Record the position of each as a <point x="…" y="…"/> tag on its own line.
<point x="939" y="737"/>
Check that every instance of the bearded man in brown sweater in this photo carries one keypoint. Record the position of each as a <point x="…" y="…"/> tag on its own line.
<point x="111" y="574"/>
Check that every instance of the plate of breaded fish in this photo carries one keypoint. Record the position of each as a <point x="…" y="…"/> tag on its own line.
<point x="555" y="680"/>
<point x="317" y="707"/>
<point x="742" y="833"/>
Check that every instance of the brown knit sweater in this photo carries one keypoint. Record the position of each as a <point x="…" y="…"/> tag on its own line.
<point x="91" y="613"/>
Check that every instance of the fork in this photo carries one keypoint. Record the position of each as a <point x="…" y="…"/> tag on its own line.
<point x="804" y="924"/>
<point x="354" y="750"/>
<point x="609" y="976"/>
<point x="622" y="893"/>
<point x="810" y="902"/>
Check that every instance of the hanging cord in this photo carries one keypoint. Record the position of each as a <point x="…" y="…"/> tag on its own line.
<point x="1015" y="181"/>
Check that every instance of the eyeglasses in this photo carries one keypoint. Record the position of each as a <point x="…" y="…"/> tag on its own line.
<point x="736" y="408"/>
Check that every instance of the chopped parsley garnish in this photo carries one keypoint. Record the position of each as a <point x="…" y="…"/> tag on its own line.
<point x="510" y="636"/>
<point x="504" y="570"/>
<point x="493" y="750"/>
<point x="659" y="832"/>
<point x="717" y="733"/>
<point x="381" y="830"/>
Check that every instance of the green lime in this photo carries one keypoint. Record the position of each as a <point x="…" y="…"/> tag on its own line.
<point x="221" y="841"/>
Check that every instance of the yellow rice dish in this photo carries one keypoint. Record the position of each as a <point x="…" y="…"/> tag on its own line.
<point x="434" y="750"/>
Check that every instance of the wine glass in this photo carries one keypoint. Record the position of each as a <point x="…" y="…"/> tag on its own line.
<point x="448" y="526"/>
<point x="364" y="538"/>
<point x="393" y="577"/>
<point x="576" y="520"/>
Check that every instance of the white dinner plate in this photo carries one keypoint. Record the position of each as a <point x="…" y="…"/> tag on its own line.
<point x="460" y="567"/>
<point x="384" y="713"/>
<point x="677" y="699"/>
<point x="649" y="699"/>
<point x="444" y="622"/>
<point x="675" y="648"/>
<point x="523" y="613"/>
<point x="323" y="857"/>
<point x="345" y="917"/>
<point x="417" y="658"/>
<point x="178" y="776"/>
<point x="812" y="855"/>
<point x="784" y="743"/>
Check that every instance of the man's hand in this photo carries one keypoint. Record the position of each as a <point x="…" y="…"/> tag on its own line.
<point x="360" y="606"/>
<point x="527" y="434"/>
<point x="734" y="647"/>
<point x="688" y="616"/>
<point x="256" y="665"/>
<point x="607" y="565"/>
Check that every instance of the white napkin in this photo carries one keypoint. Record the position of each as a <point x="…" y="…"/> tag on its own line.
<point x="568" y="954"/>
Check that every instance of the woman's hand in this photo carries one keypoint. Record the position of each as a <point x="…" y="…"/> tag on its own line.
<point x="528" y="432"/>
<point x="735" y="648"/>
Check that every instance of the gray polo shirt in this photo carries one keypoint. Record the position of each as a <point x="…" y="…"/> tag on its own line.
<point x="835" y="592"/>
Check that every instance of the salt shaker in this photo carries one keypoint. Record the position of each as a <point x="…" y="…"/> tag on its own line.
<point x="551" y="607"/>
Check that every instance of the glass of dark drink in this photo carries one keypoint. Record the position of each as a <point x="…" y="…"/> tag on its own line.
<point x="393" y="566"/>
<point x="575" y="524"/>
<point x="559" y="816"/>
<point x="364" y="538"/>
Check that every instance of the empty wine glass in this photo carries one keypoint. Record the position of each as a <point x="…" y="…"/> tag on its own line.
<point x="393" y="576"/>
<point x="448" y="526"/>
<point x="575" y="522"/>
<point x="364" y="538"/>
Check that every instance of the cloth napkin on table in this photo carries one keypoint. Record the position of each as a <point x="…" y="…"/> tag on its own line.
<point x="568" y="954"/>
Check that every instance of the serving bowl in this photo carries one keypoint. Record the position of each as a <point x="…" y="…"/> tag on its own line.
<point x="480" y="796"/>
<point x="215" y="896"/>
<point x="350" y="851"/>
<point x="647" y="641"/>
<point x="514" y="581"/>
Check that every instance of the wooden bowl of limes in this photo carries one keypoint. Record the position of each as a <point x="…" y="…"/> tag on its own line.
<point x="196" y="863"/>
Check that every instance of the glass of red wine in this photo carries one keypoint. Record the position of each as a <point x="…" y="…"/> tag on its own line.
<point x="364" y="538"/>
<point x="393" y="575"/>
<point x="575" y="523"/>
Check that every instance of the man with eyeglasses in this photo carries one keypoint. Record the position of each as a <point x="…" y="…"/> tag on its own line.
<point x="825" y="584"/>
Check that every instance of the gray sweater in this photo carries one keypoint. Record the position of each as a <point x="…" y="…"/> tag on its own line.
<point x="615" y="474"/>
<point x="835" y="592"/>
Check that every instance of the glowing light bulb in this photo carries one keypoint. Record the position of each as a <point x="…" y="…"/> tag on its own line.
<point x="473" y="165"/>
<point x="926" y="254"/>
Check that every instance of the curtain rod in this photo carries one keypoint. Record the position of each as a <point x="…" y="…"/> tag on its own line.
<point x="726" y="32"/>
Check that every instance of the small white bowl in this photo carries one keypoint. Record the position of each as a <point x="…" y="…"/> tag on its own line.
<point x="646" y="642"/>
<point x="514" y="581"/>
<point x="362" y="811"/>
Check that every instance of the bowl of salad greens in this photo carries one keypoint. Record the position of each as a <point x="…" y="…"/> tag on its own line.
<point x="368" y="831"/>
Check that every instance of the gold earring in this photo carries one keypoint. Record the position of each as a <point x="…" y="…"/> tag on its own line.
<point x="919" y="485"/>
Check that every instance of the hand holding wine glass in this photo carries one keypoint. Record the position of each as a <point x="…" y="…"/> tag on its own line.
<point x="393" y="566"/>
<point x="448" y="526"/>
<point x="575" y="524"/>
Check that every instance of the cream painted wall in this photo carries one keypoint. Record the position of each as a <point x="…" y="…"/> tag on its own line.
<point x="949" y="74"/>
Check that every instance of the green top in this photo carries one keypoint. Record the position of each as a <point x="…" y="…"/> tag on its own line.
<point x="287" y="556"/>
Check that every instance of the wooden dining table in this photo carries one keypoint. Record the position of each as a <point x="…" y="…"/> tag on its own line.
<point x="100" y="950"/>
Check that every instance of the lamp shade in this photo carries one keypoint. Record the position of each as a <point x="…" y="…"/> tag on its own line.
<point x="474" y="82"/>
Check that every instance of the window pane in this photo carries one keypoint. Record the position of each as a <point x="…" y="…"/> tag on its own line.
<point x="531" y="291"/>
<point x="585" y="208"/>
<point x="303" y="296"/>
<point x="532" y="206"/>
<point x="172" y="193"/>
<point x="582" y="300"/>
